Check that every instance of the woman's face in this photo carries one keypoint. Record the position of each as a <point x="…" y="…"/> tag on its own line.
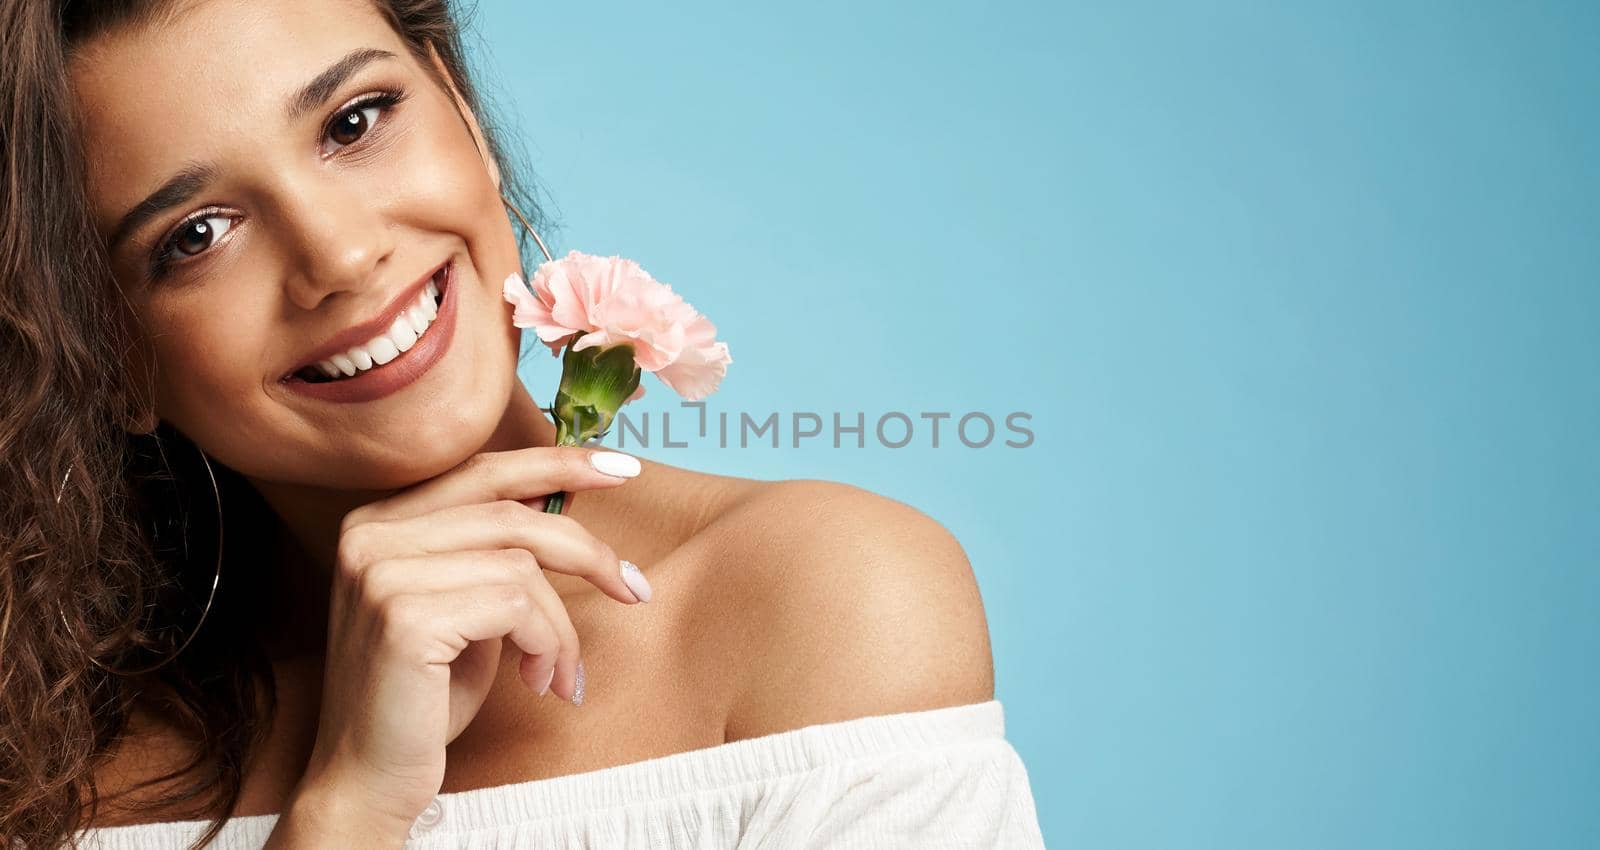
<point x="318" y="181"/>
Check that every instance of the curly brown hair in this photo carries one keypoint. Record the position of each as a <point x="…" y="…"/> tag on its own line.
<point x="82" y="567"/>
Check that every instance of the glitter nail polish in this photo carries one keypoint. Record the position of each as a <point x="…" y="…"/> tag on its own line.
<point x="577" y="688"/>
<point x="635" y="581"/>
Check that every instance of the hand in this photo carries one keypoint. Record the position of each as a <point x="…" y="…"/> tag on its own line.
<point x="427" y="585"/>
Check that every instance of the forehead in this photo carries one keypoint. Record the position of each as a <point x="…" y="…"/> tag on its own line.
<point x="206" y="80"/>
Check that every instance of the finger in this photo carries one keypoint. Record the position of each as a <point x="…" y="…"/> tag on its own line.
<point x="442" y="572"/>
<point x="559" y="542"/>
<point x="445" y="574"/>
<point x="449" y="622"/>
<point x="516" y="474"/>
<point x="563" y="679"/>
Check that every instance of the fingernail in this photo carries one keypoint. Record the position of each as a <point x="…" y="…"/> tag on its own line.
<point x="615" y="463"/>
<point x="577" y="689"/>
<point x="635" y="581"/>
<point x="546" y="686"/>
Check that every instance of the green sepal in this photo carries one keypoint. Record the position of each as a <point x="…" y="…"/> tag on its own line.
<point x="595" y="383"/>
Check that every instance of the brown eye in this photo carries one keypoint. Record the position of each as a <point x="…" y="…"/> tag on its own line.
<point x="199" y="234"/>
<point x="355" y="121"/>
<point x="350" y="125"/>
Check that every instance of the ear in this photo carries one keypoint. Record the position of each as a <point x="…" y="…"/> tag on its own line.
<point x="466" y="115"/>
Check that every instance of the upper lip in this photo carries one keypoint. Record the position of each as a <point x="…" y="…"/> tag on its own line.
<point x="363" y="333"/>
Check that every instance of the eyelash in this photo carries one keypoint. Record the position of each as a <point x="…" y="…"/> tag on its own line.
<point x="164" y="258"/>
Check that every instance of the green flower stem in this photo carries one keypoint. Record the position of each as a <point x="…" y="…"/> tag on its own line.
<point x="595" y="383"/>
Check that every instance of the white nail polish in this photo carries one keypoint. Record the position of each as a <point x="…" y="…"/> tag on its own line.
<point x="615" y="463"/>
<point x="543" y="689"/>
<point x="635" y="581"/>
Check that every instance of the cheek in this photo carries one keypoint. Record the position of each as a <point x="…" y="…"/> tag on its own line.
<point x="441" y="182"/>
<point x="441" y="185"/>
<point x="209" y="363"/>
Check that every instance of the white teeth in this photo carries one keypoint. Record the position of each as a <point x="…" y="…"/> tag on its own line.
<point x="407" y="328"/>
<point x="401" y="332"/>
<point x="383" y="350"/>
<point x="419" y="322"/>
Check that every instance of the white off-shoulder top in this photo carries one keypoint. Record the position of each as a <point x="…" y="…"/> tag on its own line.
<point x="939" y="778"/>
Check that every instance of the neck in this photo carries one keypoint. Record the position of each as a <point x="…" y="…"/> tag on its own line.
<point x="312" y="516"/>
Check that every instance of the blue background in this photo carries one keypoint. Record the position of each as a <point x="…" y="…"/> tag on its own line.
<point x="1302" y="299"/>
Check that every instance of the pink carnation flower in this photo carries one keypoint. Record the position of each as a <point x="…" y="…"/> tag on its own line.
<point x="611" y="300"/>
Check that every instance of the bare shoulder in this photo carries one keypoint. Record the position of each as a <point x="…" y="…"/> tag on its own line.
<point x="844" y="603"/>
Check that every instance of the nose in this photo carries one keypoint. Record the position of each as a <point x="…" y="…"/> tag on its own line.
<point x="340" y="241"/>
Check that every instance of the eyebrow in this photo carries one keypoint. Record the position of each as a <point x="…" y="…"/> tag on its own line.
<point x="326" y="83"/>
<point x="183" y="186"/>
<point x="187" y="183"/>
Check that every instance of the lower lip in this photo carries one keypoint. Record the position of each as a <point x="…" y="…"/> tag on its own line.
<point x="400" y="372"/>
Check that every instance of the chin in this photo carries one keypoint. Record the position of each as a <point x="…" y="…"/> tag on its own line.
<point x="447" y="436"/>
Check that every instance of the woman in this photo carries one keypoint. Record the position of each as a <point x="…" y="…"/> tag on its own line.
<point x="205" y="197"/>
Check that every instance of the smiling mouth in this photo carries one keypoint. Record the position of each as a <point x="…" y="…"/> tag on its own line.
<point x="413" y="323"/>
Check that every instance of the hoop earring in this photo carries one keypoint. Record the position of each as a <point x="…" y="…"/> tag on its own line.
<point x="524" y="219"/>
<point x="215" y="580"/>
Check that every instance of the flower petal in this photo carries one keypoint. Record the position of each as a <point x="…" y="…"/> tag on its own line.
<point x="527" y="309"/>
<point x="698" y="371"/>
<point x="613" y="301"/>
